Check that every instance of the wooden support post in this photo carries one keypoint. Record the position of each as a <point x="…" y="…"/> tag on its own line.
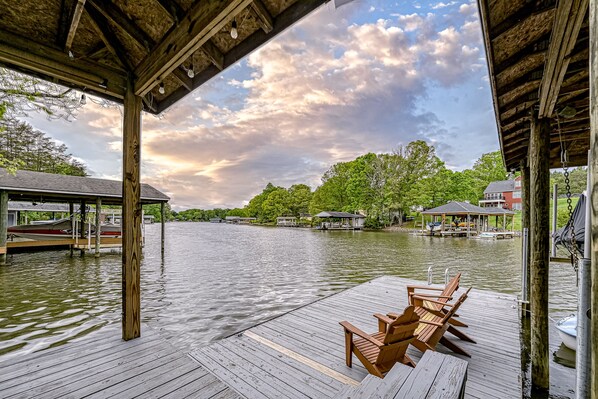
<point x="131" y="216"/>
<point x="540" y="248"/>
<point x="3" y="225"/>
<point x="98" y="227"/>
<point x="162" y="225"/>
<point x="594" y="192"/>
<point x="525" y="218"/>
<point x="73" y="232"/>
<point x="83" y="235"/>
<point x="468" y="225"/>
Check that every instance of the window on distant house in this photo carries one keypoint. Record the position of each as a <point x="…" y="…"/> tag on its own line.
<point x="516" y="194"/>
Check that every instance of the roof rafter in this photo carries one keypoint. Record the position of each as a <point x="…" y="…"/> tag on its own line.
<point x="568" y="20"/>
<point x="100" y="24"/>
<point x="117" y="17"/>
<point x="74" y="23"/>
<point x="202" y="21"/>
<point x="263" y="15"/>
<point x="23" y="53"/>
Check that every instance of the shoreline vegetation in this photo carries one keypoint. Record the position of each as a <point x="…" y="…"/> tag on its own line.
<point x="390" y="189"/>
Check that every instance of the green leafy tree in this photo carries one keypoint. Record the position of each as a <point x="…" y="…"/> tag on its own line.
<point x="154" y="210"/>
<point x="300" y="197"/>
<point x="275" y="205"/>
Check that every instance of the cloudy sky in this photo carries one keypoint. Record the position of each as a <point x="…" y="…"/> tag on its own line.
<point x="366" y="77"/>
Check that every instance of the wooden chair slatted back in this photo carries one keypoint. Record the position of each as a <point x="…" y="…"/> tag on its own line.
<point x="451" y="312"/>
<point x="402" y="327"/>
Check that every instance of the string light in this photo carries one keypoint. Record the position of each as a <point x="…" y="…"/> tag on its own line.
<point x="233" y="31"/>
<point x="161" y="89"/>
<point x="190" y="72"/>
<point x="83" y="99"/>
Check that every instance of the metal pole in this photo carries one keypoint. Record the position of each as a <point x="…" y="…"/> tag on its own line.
<point x="98" y="226"/>
<point x="162" y="226"/>
<point x="584" y="336"/>
<point x="555" y="191"/>
<point x="430" y="275"/>
<point x="468" y="225"/>
<point x="524" y="273"/>
<point x="446" y="276"/>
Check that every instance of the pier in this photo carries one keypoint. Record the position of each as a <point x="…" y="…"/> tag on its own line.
<point x="297" y="355"/>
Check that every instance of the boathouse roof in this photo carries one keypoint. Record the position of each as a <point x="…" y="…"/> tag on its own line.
<point x="47" y="187"/>
<point x="500" y="186"/>
<point x="332" y="214"/>
<point x="170" y="47"/>
<point x="456" y="208"/>
<point x="538" y="58"/>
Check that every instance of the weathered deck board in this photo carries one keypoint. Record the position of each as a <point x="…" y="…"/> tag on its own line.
<point x="258" y="371"/>
<point x="104" y="365"/>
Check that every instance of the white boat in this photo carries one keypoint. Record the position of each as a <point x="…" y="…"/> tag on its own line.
<point x="567" y="328"/>
<point x="58" y="230"/>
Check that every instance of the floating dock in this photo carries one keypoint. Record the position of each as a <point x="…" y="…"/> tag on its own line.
<point x="297" y="355"/>
<point x="302" y="354"/>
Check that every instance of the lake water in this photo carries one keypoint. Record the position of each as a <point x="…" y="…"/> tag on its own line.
<point x="217" y="279"/>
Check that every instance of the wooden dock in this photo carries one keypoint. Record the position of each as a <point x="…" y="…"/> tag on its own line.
<point x="103" y="365"/>
<point x="301" y="354"/>
<point x="297" y="355"/>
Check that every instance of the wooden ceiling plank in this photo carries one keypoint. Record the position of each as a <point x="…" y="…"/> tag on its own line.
<point x="74" y="24"/>
<point x="117" y="17"/>
<point x="568" y="20"/>
<point x="263" y="15"/>
<point x="529" y="8"/>
<point x="100" y="24"/>
<point x="202" y="21"/>
<point x="23" y="53"/>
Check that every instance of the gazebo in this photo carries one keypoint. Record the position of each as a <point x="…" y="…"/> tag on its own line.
<point x="146" y="55"/>
<point x="471" y="213"/>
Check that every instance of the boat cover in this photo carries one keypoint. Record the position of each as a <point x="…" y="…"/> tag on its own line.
<point x="563" y="235"/>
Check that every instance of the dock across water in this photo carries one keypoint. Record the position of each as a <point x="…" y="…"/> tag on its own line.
<point x="297" y="355"/>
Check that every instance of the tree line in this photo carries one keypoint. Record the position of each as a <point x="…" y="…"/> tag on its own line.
<point x="385" y="187"/>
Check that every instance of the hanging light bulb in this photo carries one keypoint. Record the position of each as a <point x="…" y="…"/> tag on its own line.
<point x="71" y="55"/>
<point x="161" y="88"/>
<point x="190" y="72"/>
<point x="233" y="30"/>
<point x="83" y="99"/>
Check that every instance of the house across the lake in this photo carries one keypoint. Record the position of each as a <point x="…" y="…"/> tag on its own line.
<point x="504" y="194"/>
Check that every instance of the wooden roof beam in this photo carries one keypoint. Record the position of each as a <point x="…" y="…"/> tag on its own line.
<point x="100" y="24"/>
<point x="263" y="16"/>
<point x="117" y="17"/>
<point x="24" y="54"/>
<point x="529" y="8"/>
<point x="285" y="19"/>
<point x="202" y="21"/>
<point x="214" y="54"/>
<point x="568" y="20"/>
<point x="76" y="16"/>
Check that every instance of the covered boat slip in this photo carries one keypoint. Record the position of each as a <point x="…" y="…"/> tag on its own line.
<point x="44" y="188"/>
<point x="302" y="353"/>
<point x="462" y="219"/>
<point x="543" y="68"/>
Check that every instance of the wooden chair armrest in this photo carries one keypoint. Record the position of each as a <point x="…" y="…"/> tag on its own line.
<point x="423" y="287"/>
<point x="392" y="315"/>
<point x="431" y="295"/>
<point x="354" y="330"/>
<point x="384" y="319"/>
<point x="430" y="322"/>
<point x="432" y="301"/>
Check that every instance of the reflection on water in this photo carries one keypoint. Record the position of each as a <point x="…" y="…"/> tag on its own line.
<point x="216" y="279"/>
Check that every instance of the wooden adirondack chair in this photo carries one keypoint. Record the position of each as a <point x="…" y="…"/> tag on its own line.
<point x="432" y="328"/>
<point x="436" y="303"/>
<point x="378" y="352"/>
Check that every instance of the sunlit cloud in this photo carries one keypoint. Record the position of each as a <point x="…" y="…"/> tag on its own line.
<point x="366" y="77"/>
